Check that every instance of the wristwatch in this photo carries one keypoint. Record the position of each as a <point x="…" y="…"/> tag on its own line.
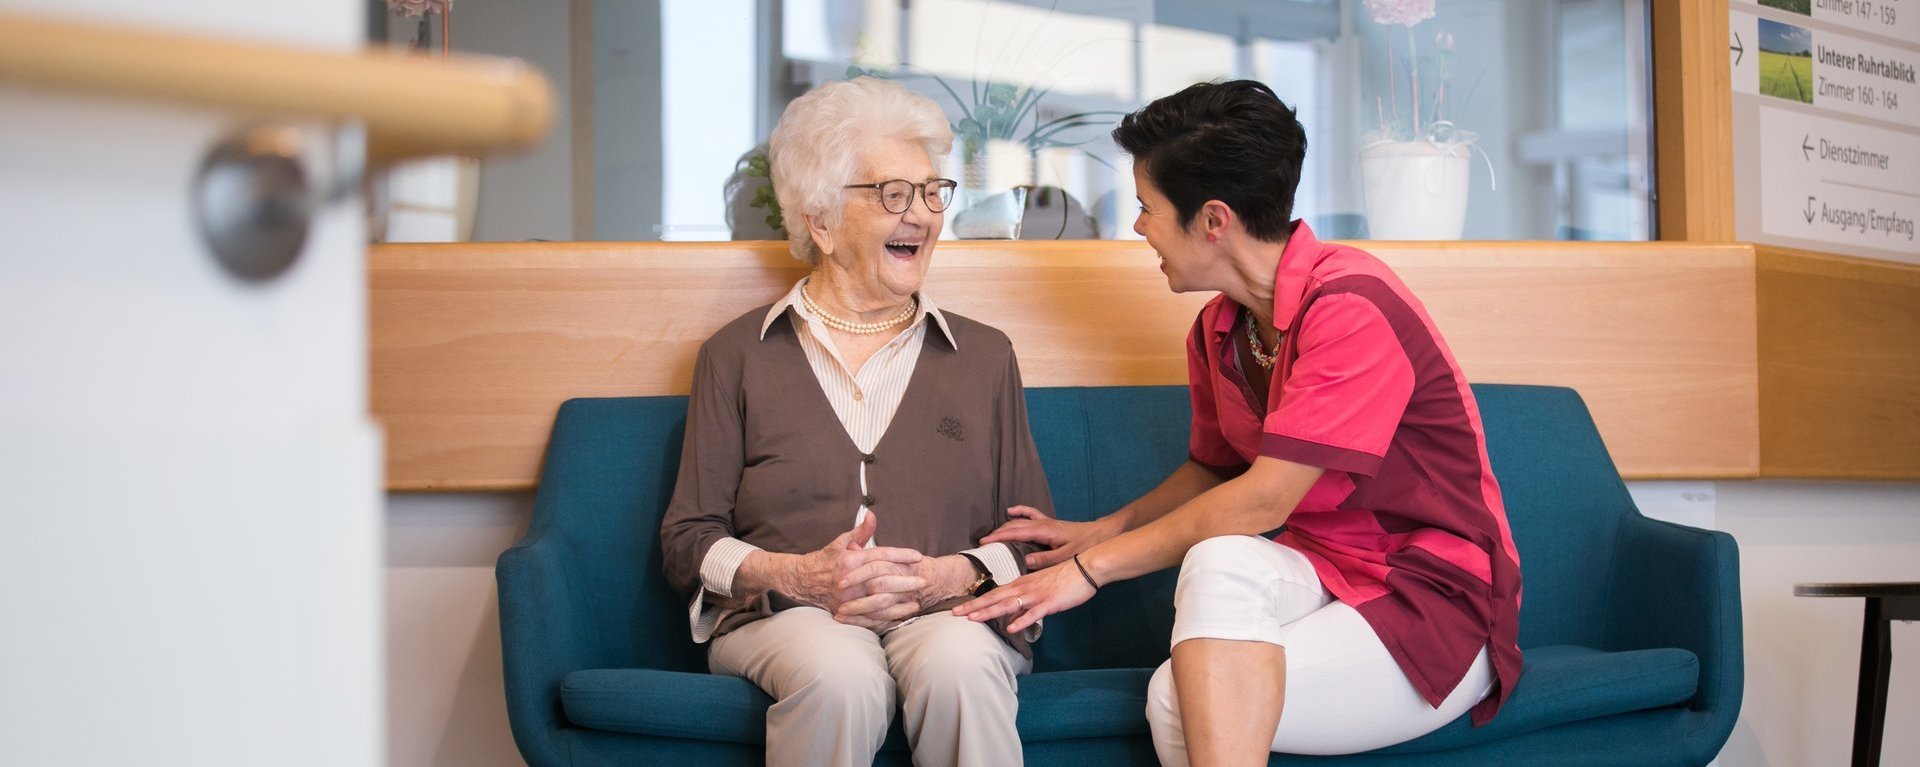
<point x="983" y="582"/>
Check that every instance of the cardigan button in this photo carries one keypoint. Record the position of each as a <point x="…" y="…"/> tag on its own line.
<point x="868" y="501"/>
<point x="866" y="458"/>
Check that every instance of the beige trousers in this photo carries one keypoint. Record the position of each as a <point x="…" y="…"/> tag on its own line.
<point x="835" y="688"/>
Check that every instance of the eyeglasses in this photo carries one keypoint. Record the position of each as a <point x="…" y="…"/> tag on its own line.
<point x="896" y="195"/>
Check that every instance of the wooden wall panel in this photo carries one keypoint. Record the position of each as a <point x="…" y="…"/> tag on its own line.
<point x="1839" y="367"/>
<point x="1658" y="339"/>
<point x="475" y="345"/>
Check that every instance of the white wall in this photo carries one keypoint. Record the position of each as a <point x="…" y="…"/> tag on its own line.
<point x="1802" y="654"/>
<point x="445" y="693"/>
<point x="189" y="482"/>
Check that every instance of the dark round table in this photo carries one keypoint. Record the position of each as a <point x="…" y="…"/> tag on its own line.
<point x="1886" y="603"/>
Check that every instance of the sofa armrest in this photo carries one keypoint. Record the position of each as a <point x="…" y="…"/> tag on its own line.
<point x="543" y="637"/>
<point x="1678" y="586"/>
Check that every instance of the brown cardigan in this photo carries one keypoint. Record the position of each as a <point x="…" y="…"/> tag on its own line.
<point x="767" y="461"/>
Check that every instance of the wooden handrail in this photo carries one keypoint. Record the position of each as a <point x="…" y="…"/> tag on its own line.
<point x="412" y="106"/>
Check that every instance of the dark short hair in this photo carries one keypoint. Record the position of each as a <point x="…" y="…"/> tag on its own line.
<point x="1233" y="141"/>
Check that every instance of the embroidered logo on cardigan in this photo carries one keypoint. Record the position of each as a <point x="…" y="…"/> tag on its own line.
<point x="950" y="428"/>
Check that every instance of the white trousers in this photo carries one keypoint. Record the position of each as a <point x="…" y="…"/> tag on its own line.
<point x="1344" y="692"/>
<point x="835" y="687"/>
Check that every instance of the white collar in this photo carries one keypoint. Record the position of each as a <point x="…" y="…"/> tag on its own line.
<point x="792" y="301"/>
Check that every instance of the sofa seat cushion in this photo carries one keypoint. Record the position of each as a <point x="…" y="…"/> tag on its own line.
<point x="1086" y="703"/>
<point x="668" y="704"/>
<point x="1058" y="705"/>
<point x="1569" y="683"/>
<point x="1559" y="684"/>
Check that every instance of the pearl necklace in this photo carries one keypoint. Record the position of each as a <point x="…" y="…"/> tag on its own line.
<point x="1261" y="356"/>
<point x="857" y="328"/>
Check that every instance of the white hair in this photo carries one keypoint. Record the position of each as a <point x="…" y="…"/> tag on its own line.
<point x="816" y="149"/>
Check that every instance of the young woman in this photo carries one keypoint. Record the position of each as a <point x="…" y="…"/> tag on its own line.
<point x="1324" y="401"/>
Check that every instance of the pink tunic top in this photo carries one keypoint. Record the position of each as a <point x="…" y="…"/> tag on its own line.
<point x="1406" y="525"/>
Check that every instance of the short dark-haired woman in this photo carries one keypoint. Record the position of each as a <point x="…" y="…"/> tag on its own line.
<point x="1324" y="400"/>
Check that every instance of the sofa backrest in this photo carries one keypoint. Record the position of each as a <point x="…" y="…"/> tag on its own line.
<point x="611" y="464"/>
<point x="1565" y="503"/>
<point x="608" y="475"/>
<point x="1103" y="447"/>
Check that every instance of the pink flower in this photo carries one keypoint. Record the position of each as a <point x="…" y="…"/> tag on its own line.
<point x="417" y="8"/>
<point x="1403" y="12"/>
<point x="1443" y="41"/>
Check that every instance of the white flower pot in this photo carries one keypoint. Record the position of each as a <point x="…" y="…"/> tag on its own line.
<point x="433" y="199"/>
<point x="1416" y="190"/>
<point x="993" y="192"/>
<point x="998" y="166"/>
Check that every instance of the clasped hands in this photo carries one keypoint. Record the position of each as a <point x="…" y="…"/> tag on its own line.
<point x="873" y="587"/>
<point x="877" y="586"/>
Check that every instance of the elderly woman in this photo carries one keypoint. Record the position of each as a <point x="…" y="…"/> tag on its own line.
<point x="846" y="449"/>
<point x="1324" y="400"/>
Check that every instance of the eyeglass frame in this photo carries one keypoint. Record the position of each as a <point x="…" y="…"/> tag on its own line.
<point x="919" y="191"/>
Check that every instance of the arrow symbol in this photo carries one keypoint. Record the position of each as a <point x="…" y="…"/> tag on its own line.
<point x="1806" y="148"/>
<point x="1809" y="209"/>
<point x="1739" y="48"/>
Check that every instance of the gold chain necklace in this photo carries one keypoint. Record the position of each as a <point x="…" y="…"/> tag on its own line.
<point x="857" y="328"/>
<point x="1260" y="355"/>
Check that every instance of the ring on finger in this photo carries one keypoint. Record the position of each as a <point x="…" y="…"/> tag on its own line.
<point x="1020" y="603"/>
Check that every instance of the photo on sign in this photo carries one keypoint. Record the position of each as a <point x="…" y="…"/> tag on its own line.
<point x="1802" y="7"/>
<point x="1786" y="61"/>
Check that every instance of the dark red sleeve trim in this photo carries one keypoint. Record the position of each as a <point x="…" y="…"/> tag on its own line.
<point x="1316" y="454"/>
<point x="1237" y="464"/>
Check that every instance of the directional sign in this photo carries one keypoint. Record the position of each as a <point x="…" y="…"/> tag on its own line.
<point x="1836" y="181"/>
<point x="1827" y="124"/>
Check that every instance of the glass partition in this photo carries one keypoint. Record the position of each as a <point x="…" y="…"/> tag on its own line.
<point x="1426" y="119"/>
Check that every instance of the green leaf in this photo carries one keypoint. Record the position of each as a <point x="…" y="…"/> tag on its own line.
<point x="970" y="130"/>
<point x="1029" y="102"/>
<point x="1049" y="133"/>
<point x="960" y="102"/>
<point x="1001" y="96"/>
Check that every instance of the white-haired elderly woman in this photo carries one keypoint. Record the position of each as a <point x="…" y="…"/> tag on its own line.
<point x="847" y="447"/>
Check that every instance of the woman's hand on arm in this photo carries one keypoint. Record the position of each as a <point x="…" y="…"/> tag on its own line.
<point x="1032" y="597"/>
<point x="1257" y="501"/>
<point x="1064" y="539"/>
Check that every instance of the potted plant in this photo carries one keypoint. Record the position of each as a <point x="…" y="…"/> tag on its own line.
<point x="1414" y="165"/>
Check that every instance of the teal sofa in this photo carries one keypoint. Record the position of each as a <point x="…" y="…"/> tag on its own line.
<point x="1631" y="627"/>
